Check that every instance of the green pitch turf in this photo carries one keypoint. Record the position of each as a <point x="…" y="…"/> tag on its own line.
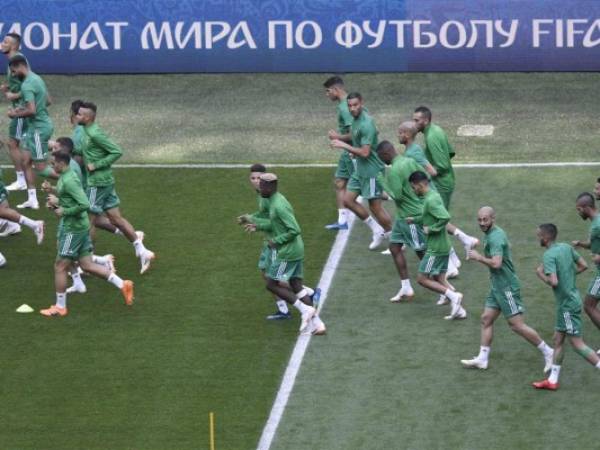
<point x="388" y="376"/>
<point x="285" y="117"/>
<point x="196" y="340"/>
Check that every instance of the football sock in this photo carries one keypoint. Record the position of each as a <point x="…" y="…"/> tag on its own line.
<point x="282" y="306"/>
<point x="554" y="373"/>
<point x="115" y="280"/>
<point x="61" y="299"/>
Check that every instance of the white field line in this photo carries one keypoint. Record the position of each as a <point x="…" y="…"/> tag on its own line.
<point x="289" y="377"/>
<point x="301" y="166"/>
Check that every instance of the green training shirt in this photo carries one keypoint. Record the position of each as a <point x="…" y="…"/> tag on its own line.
<point x="99" y="150"/>
<point x="595" y="237"/>
<point x="14" y="84"/>
<point x="415" y="152"/>
<point x="439" y="152"/>
<point x="284" y="229"/>
<point x="344" y="118"/>
<point x="34" y="90"/>
<point x="74" y="203"/>
<point x="495" y="243"/>
<point x="396" y="184"/>
<point x="561" y="259"/>
<point x="364" y="132"/>
<point x="262" y="215"/>
<point x="435" y="217"/>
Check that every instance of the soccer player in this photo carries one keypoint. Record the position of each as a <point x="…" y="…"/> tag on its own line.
<point x="407" y="133"/>
<point x="74" y="244"/>
<point x="586" y="208"/>
<point x="368" y="165"/>
<point x="561" y="264"/>
<point x="99" y="153"/>
<point x="439" y="152"/>
<point x="433" y="267"/>
<point x="267" y="254"/>
<point x="16" y="130"/>
<point x="334" y="90"/>
<point x="505" y="293"/>
<point x="35" y="100"/>
<point x="288" y="264"/>
<point x="408" y="204"/>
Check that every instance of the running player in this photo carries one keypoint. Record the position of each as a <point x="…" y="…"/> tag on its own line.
<point x="561" y="264"/>
<point x="433" y="267"/>
<point x="267" y="254"/>
<point x="368" y="165"/>
<point x="439" y="153"/>
<point x="74" y="243"/>
<point x="505" y="293"/>
<point x="408" y="204"/>
<point x="288" y="264"/>
<point x="334" y="90"/>
<point x="16" y="130"/>
<point x="35" y="100"/>
<point x="586" y="208"/>
<point x="99" y="153"/>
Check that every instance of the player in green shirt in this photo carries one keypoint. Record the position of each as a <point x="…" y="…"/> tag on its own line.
<point x="586" y="208"/>
<point x="99" y="154"/>
<point x="560" y="266"/>
<point x="18" y="127"/>
<point x="71" y="205"/>
<point x="288" y="264"/>
<point x="408" y="204"/>
<point x="267" y="254"/>
<point x="35" y="100"/>
<point x="505" y="293"/>
<point x="334" y="90"/>
<point x="439" y="153"/>
<point x="407" y="133"/>
<point x="433" y="267"/>
<point x="368" y="165"/>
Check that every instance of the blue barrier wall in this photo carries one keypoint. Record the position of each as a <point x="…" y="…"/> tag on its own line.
<point x="133" y="36"/>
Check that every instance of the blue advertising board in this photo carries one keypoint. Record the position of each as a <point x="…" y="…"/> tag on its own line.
<point x="135" y="36"/>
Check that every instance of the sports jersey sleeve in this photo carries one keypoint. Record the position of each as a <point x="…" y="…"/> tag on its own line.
<point x="595" y="240"/>
<point x="440" y="159"/>
<point x="344" y="120"/>
<point x="289" y="222"/>
<point x="420" y="158"/>
<point x="76" y="193"/>
<point x="27" y="93"/>
<point x="439" y="213"/>
<point x="113" y="151"/>
<point x="367" y="135"/>
<point x="549" y="264"/>
<point x="495" y="245"/>
<point x="576" y="256"/>
<point x="390" y="184"/>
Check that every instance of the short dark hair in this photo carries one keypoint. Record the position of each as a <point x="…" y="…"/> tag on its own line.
<point x="586" y="199"/>
<point x="75" y="105"/>
<point x="17" y="60"/>
<point x="352" y="95"/>
<point x="417" y="177"/>
<point x="333" y="81"/>
<point x="385" y="146"/>
<point x="66" y="144"/>
<point x="425" y="111"/>
<point x="89" y="105"/>
<point x="258" y="168"/>
<point x="598" y="180"/>
<point x="16" y="37"/>
<point x="549" y="229"/>
<point x="62" y="157"/>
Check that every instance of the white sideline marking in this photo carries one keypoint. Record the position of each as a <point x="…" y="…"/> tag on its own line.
<point x="301" y="166"/>
<point x="475" y="130"/>
<point x="289" y="377"/>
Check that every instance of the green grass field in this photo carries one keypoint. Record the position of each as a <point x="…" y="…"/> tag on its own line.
<point x="386" y="376"/>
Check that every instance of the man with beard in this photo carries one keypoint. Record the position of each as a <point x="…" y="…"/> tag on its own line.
<point x="505" y="293"/>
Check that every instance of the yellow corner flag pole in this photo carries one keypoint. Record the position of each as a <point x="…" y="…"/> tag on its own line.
<point x="211" y="420"/>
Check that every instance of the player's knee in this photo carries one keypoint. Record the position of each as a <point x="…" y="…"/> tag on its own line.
<point x="485" y="320"/>
<point x="422" y="279"/>
<point x="340" y="184"/>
